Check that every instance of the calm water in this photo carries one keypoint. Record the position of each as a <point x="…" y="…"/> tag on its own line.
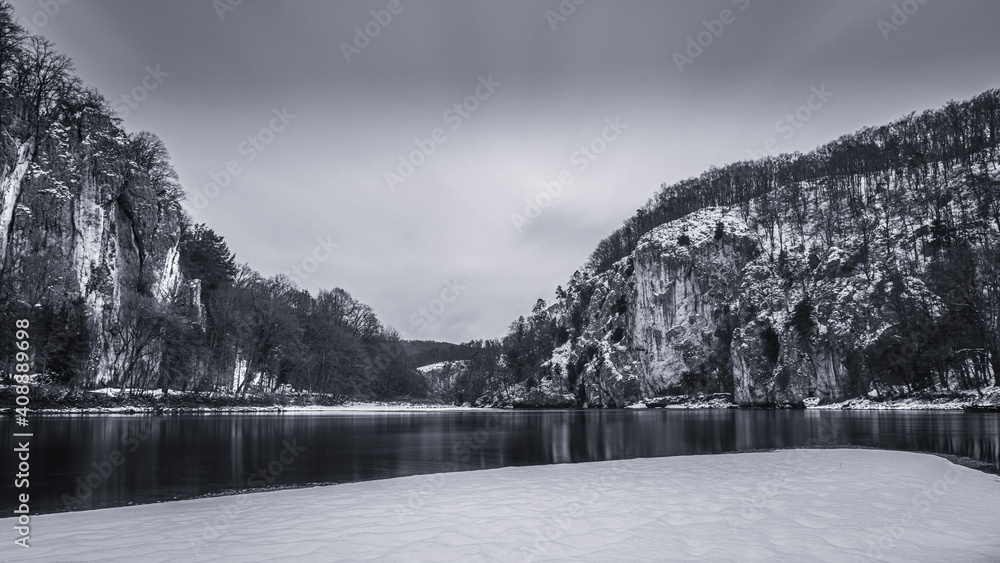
<point x="123" y="460"/>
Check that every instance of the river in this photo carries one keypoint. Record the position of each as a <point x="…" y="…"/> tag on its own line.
<point x="87" y="462"/>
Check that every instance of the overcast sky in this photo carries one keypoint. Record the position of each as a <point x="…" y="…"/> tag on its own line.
<point x="331" y="112"/>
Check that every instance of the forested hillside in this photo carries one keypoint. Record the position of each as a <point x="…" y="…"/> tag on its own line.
<point x="121" y="289"/>
<point x="870" y="265"/>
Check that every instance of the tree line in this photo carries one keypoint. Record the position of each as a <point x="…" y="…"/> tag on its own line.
<point x="843" y="172"/>
<point x="123" y="289"/>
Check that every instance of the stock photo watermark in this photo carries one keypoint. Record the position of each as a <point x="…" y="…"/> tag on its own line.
<point x="426" y="316"/>
<point x="900" y="15"/>
<point x="249" y="149"/>
<point x="103" y="469"/>
<point x="793" y="121"/>
<point x="130" y="100"/>
<point x="561" y="521"/>
<point x="366" y="33"/>
<point x="562" y="13"/>
<point x="581" y="159"/>
<point x="48" y="10"/>
<point x="765" y="491"/>
<point x="455" y="117"/>
<point x="461" y="452"/>
<point x="261" y="478"/>
<point x="921" y="503"/>
<point x="223" y="7"/>
<point x="322" y="252"/>
<point x="704" y="39"/>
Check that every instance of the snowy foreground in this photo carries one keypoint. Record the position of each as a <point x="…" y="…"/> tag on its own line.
<point x="792" y="505"/>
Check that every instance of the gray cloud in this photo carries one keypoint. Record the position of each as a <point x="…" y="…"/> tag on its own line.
<point x="323" y="175"/>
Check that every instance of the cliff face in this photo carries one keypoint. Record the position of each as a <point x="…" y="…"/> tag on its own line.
<point x="119" y="287"/>
<point x="442" y="376"/>
<point x="10" y="191"/>
<point x="660" y="321"/>
<point x="91" y="233"/>
<point x="90" y="223"/>
<point x="657" y="322"/>
<point x="682" y="303"/>
<point x="733" y="300"/>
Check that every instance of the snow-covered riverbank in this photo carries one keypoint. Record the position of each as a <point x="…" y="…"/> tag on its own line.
<point x="351" y="406"/>
<point x="58" y="400"/>
<point x="987" y="398"/>
<point x="792" y="505"/>
<point x="346" y="407"/>
<point x="115" y="402"/>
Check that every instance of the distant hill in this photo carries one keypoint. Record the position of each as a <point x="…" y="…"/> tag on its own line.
<point x="425" y="352"/>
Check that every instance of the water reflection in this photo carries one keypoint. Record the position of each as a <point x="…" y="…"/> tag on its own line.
<point x="165" y="458"/>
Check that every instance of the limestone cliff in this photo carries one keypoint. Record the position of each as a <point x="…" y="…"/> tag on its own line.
<point x="727" y="299"/>
<point x="91" y="231"/>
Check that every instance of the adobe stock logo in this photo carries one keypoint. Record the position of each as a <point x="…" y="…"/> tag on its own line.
<point x="222" y="7"/>
<point x="310" y="263"/>
<point x="697" y="44"/>
<point x="249" y="149"/>
<point x="40" y="19"/>
<point x="426" y="316"/>
<point x="456" y="116"/>
<point x="364" y="34"/>
<point x="794" y="120"/>
<point x="566" y="9"/>
<point x="900" y="15"/>
<point x="131" y="100"/>
<point x="581" y="159"/>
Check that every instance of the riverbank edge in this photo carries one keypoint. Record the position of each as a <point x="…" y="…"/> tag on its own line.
<point x="962" y="461"/>
<point x="53" y="400"/>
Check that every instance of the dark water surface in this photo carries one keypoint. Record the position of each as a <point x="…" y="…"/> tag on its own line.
<point x="86" y="462"/>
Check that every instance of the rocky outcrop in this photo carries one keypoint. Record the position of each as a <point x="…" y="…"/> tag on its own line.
<point x="660" y="321"/>
<point x="84" y="229"/>
<point x="730" y="300"/>
<point x="442" y="376"/>
<point x="687" y="275"/>
<point x="803" y="368"/>
<point x="10" y="193"/>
